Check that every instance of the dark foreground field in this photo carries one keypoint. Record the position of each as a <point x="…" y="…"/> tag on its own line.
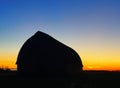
<point x="91" y="79"/>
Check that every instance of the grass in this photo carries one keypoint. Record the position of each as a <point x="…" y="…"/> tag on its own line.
<point x="91" y="79"/>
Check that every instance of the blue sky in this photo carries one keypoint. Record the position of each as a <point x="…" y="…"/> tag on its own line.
<point x="88" y="26"/>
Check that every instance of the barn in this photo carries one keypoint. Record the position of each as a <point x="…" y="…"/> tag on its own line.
<point x="44" y="55"/>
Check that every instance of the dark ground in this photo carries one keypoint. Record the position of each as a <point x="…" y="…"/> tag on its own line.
<point x="91" y="79"/>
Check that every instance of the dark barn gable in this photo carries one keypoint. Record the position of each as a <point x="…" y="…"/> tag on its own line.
<point x="44" y="55"/>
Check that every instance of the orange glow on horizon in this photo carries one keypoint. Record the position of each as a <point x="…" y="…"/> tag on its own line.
<point x="96" y="61"/>
<point x="7" y="60"/>
<point x="102" y="68"/>
<point x="14" y="66"/>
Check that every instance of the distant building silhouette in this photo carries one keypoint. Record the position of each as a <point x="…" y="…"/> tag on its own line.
<point x="43" y="55"/>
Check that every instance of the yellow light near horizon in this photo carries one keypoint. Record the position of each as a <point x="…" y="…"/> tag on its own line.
<point x="7" y="64"/>
<point x="92" y="59"/>
<point x="100" y="60"/>
<point x="107" y="68"/>
<point x="7" y="60"/>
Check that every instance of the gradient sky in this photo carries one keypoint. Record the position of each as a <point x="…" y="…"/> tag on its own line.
<point x="91" y="27"/>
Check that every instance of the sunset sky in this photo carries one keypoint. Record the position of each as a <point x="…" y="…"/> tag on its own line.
<point x="91" y="27"/>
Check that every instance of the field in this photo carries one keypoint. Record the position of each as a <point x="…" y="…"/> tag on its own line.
<point x="91" y="79"/>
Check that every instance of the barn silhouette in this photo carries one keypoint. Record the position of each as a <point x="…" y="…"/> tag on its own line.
<point x="45" y="56"/>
